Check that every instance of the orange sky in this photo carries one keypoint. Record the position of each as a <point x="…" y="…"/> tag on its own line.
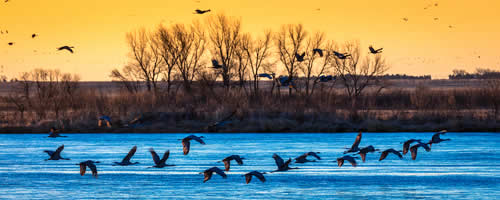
<point x="97" y="29"/>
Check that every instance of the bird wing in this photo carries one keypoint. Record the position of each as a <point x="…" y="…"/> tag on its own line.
<point x="352" y="161"/>
<point x="165" y="156"/>
<point x="406" y="146"/>
<point x="227" y="164"/>
<point x="58" y="150"/>
<point x="413" y="151"/>
<point x="49" y="152"/>
<point x="372" y="49"/>
<point x="302" y="157"/>
<point x="198" y="139"/>
<point x="279" y="161"/>
<point x="130" y="154"/>
<point x="397" y="153"/>
<point x="238" y="160"/>
<point x="383" y="155"/>
<point x="287" y="162"/>
<point x="363" y="156"/>
<point x="93" y="168"/>
<point x="83" y="167"/>
<point x="357" y="141"/>
<point x="208" y="175"/>
<point x="155" y="156"/>
<point x="260" y="176"/>
<point x="248" y="177"/>
<point x="340" y="161"/>
<point x="185" y="145"/>
<point x="315" y="155"/>
<point x="215" y="63"/>
<point x="220" y="172"/>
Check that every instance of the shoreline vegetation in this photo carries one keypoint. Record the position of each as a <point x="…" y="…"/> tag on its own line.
<point x="212" y="77"/>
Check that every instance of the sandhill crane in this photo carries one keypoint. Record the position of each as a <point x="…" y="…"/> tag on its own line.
<point x="106" y="119"/>
<point x="282" y="166"/>
<point x="126" y="160"/>
<point x="350" y="159"/>
<point x="221" y="123"/>
<point x="227" y="161"/>
<point x="266" y="75"/>
<point x="216" y="65"/>
<point x="414" y="149"/>
<point x="186" y="142"/>
<point x="160" y="163"/>
<point x="300" y="57"/>
<point x="405" y="19"/>
<point x="385" y="153"/>
<point x="437" y="139"/>
<point x="363" y="151"/>
<point x="68" y="48"/>
<point x="54" y="133"/>
<point x="56" y="155"/>
<point x="200" y="12"/>
<point x="318" y="51"/>
<point x="260" y="176"/>
<point x="303" y="157"/>
<point x="10" y="43"/>
<point x="91" y="165"/>
<point x="33" y="35"/>
<point x="355" y="145"/>
<point x="209" y="172"/>
<point x="342" y="56"/>
<point x="373" y="51"/>
<point x="406" y="145"/>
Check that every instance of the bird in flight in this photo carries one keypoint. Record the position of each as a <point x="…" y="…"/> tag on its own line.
<point x="350" y="159"/>
<point x="201" y="12"/>
<point x="91" y="165"/>
<point x="373" y="51"/>
<point x="216" y="65"/>
<point x="341" y="56"/>
<point x="160" y="163"/>
<point x="70" y="49"/>
<point x="319" y="51"/>
<point x="266" y="75"/>
<point x="260" y="176"/>
<point x="126" y="159"/>
<point x="11" y="43"/>
<point x="33" y="35"/>
<point x="56" y="155"/>
<point x="300" y="57"/>
<point x="437" y="139"/>
<point x="282" y="166"/>
<point x="303" y="157"/>
<point x="355" y="146"/>
<point x="227" y="161"/>
<point x="209" y="172"/>
<point x="405" y="19"/>
<point x="186" y="142"/>
<point x="386" y="153"/>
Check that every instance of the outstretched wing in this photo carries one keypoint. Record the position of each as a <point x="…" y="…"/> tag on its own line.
<point x="340" y="162"/>
<point x="248" y="177"/>
<point x="357" y="141"/>
<point x="198" y="139"/>
<point x="406" y="146"/>
<point x="155" y="156"/>
<point x="165" y="156"/>
<point x="83" y="167"/>
<point x="58" y="150"/>
<point x="383" y="155"/>
<point x="93" y="168"/>
<point x="185" y="145"/>
<point x="279" y="161"/>
<point x="238" y="160"/>
<point x="352" y="161"/>
<point x="208" y="175"/>
<point x="219" y="171"/>
<point x="260" y="176"/>
<point x="130" y="154"/>
<point x="49" y="152"/>
<point x="413" y="151"/>
<point x="288" y="162"/>
<point x="315" y="155"/>
<point x="227" y="164"/>
<point x="363" y="156"/>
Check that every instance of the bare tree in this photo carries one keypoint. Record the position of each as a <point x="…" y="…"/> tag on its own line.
<point x="289" y="41"/>
<point x="242" y="62"/>
<point x="491" y="88"/>
<point x="128" y="78"/>
<point x="165" y="42"/>
<point x="189" y="43"/>
<point x="225" y="37"/>
<point x="357" y="75"/>
<point x="315" y="64"/>
<point x="258" y="52"/>
<point x="146" y="61"/>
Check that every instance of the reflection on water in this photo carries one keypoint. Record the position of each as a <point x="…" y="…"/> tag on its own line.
<point x="467" y="167"/>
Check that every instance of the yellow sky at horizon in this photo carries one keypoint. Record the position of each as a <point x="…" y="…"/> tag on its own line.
<point x="97" y="29"/>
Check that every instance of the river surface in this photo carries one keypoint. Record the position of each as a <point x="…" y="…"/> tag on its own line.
<point x="467" y="167"/>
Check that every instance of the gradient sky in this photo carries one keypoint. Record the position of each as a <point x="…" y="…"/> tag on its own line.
<point x="97" y="29"/>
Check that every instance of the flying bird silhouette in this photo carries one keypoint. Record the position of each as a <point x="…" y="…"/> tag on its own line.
<point x="355" y="146"/>
<point x="126" y="159"/>
<point x="341" y="56"/>
<point x="385" y="153"/>
<point x="33" y="35"/>
<point x="303" y="157"/>
<point x="266" y="75"/>
<point x="91" y="165"/>
<point x="56" y="155"/>
<point x="406" y="145"/>
<point x="160" y="163"/>
<point x="350" y="159"/>
<point x="363" y="151"/>
<point x="209" y="172"/>
<point x="186" y="142"/>
<point x="414" y="149"/>
<point x="282" y="166"/>
<point x="260" y="176"/>
<point x="200" y="12"/>
<point x="405" y="19"/>
<point x="300" y="57"/>
<point x="373" y="51"/>
<point x="10" y="43"/>
<point x="216" y="65"/>
<point x="318" y="51"/>
<point x="437" y="139"/>
<point x="68" y="48"/>
<point x="324" y="78"/>
<point x="54" y="133"/>
<point x="227" y="161"/>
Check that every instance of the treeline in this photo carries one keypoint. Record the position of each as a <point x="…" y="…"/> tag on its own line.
<point x="480" y="73"/>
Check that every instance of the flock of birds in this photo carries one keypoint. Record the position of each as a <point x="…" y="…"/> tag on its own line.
<point x="406" y="19"/>
<point x="280" y="163"/>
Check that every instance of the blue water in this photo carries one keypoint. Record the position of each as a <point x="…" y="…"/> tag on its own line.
<point x="468" y="167"/>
